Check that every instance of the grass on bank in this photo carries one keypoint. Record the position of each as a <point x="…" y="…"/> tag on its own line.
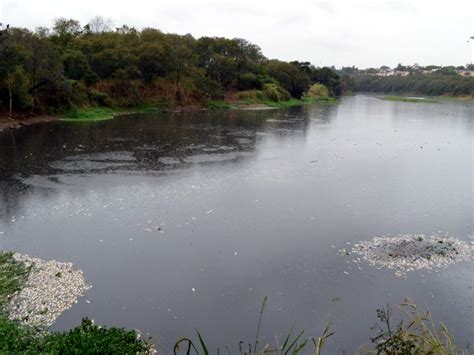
<point x="218" y="105"/>
<point x="408" y="99"/>
<point x="271" y="95"/>
<point x="292" y="344"/>
<point x="415" y="334"/>
<point x="274" y="96"/>
<point x="96" y="114"/>
<point x="90" y="114"/>
<point x="13" y="275"/>
<point x="86" y="338"/>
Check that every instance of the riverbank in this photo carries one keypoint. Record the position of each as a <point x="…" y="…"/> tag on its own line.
<point x="86" y="114"/>
<point x="7" y="123"/>
<point x="33" y="293"/>
<point x="427" y="99"/>
<point x="95" y="114"/>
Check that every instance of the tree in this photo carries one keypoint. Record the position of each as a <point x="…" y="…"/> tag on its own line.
<point x="99" y="24"/>
<point x="293" y="80"/>
<point x="10" y="61"/>
<point x="183" y="60"/>
<point x="329" y="78"/>
<point x="65" y="30"/>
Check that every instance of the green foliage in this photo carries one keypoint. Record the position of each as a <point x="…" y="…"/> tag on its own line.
<point x="15" y="338"/>
<point x="291" y="344"/>
<point x="330" y="79"/>
<point x="90" y="114"/>
<point x="92" y="339"/>
<point x="415" y="334"/>
<point x="74" y="66"/>
<point x="251" y="96"/>
<point x="290" y="77"/>
<point x="408" y="99"/>
<point x="87" y="338"/>
<point x="275" y="93"/>
<point x="317" y="91"/>
<point x="434" y="84"/>
<point x="218" y="105"/>
<point x="13" y="275"/>
<point x="249" y="81"/>
<point x="284" y="104"/>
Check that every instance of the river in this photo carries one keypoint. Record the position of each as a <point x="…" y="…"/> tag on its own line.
<point x="184" y="221"/>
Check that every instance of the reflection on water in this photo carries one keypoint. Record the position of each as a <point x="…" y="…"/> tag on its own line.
<point x="187" y="221"/>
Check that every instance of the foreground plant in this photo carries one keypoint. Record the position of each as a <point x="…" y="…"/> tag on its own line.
<point x="415" y="334"/>
<point x="291" y="345"/>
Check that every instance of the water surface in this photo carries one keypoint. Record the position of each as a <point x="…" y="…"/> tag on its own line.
<point x="186" y="221"/>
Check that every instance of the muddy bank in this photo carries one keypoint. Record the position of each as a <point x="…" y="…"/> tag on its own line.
<point x="7" y="123"/>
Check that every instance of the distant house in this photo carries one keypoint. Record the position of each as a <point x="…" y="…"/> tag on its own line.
<point x="391" y="72"/>
<point x="402" y="73"/>
<point x="465" y="72"/>
<point x="430" y="71"/>
<point x="385" y="72"/>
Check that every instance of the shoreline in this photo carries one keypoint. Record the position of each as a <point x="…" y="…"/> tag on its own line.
<point x="8" y="123"/>
<point x="15" y="123"/>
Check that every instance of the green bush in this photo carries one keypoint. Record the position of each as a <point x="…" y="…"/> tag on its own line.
<point x="251" y="95"/>
<point x="98" y="98"/>
<point x="92" y="339"/>
<point x="416" y="333"/>
<point x="218" y="105"/>
<point x="87" y="338"/>
<point x="248" y="81"/>
<point x="317" y="91"/>
<point x="209" y="89"/>
<point x="275" y="93"/>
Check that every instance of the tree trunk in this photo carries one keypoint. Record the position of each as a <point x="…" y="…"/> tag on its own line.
<point x="10" y="111"/>
<point x="178" y="89"/>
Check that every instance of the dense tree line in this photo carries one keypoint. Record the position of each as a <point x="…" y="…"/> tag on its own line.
<point x="71" y="65"/>
<point x="426" y="84"/>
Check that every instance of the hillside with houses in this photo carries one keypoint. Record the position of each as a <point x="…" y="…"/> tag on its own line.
<point x="431" y="80"/>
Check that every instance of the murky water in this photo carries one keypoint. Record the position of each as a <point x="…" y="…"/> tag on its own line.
<point x="188" y="221"/>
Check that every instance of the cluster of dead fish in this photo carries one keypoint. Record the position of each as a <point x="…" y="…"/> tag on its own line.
<point x="409" y="252"/>
<point x="51" y="288"/>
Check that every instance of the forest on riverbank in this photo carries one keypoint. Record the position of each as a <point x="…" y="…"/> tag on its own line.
<point x="421" y="84"/>
<point x="70" y="66"/>
<point x="430" y="80"/>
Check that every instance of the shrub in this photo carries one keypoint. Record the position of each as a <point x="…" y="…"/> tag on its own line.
<point x="87" y="338"/>
<point x="275" y="93"/>
<point x="317" y="91"/>
<point x="248" y="81"/>
<point x="251" y="95"/>
<point x="415" y="334"/>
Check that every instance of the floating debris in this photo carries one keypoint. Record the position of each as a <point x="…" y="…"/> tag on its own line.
<point x="51" y="288"/>
<point x="409" y="252"/>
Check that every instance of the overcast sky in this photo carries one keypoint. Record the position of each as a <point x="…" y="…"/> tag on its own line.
<point x="337" y="32"/>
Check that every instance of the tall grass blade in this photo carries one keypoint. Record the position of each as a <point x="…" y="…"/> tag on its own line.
<point x="190" y="345"/>
<point x="203" y="344"/>
<point x="259" y="324"/>
<point x="294" y="342"/>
